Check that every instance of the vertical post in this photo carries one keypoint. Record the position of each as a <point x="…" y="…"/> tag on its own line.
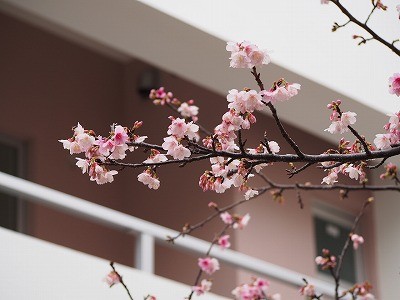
<point x="144" y="254"/>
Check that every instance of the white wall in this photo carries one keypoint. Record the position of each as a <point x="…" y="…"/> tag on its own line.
<point x="36" y="270"/>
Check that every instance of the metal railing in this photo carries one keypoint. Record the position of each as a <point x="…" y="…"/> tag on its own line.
<point x="148" y="233"/>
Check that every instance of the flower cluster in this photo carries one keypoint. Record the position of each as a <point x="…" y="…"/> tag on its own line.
<point x="350" y="170"/>
<point x="308" y="290"/>
<point x="392" y="135"/>
<point x="98" y="149"/>
<point x="326" y="261"/>
<point x="246" y="55"/>
<point x="236" y="221"/>
<point x="340" y="121"/>
<point x="281" y="91"/>
<point x="178" y="131"/>
<point x="257" y="290"/>
<point x="186" y="109"/>
<point x="361" y="291"/>
<point x="149" y="178"/>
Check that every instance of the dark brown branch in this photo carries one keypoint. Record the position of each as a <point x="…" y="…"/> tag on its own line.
<point x="366" y="28"/>
<point x="296" y="171"/>
<point x="282" y="187"/>
<point x="265" y="157"/>
<point x="378" y="165"/>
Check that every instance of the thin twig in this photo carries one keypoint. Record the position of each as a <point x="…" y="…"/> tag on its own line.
<point x="121" y="280"/>
<point x="275" y="115"/>
<point x="212" y="244"/>
<point x="346" y="246"/>
<point x="366" y="28"/>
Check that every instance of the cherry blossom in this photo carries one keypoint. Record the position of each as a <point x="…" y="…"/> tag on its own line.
<point x="204" y="287"/>
<point x="281" y="91"/>
<point x="394" y="84"/>
<point x="226" y="218"/>
<point x="256" y="290"/>
<point x="241" y="222"/>
<point x="331" y="178"/>
<point x="353" y="172"/>
<point x="250" y="194"/>
<point x="357" y="240"/>
<point x="112" y="278"/>
<point x="188" y="111"/>
<point x="223" y="241"/>
<point x="340" y="122"/>
<point x="307" y="290"/>
<point x="382" y="141"/>
<point x="149" y="178"/>
<point x="208" y="265"/>
<point x="326" y="261"/>
<point x="246" y="55"/>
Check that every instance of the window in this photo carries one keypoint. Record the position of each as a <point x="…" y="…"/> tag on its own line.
<point x="11" y="208"/>
<point x="332" y="228"/>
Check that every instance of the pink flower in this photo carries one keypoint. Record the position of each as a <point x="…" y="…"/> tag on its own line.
<point x="357" y="240"/>
<point x="250" y="194"/>
<point x="394" y="84"/>
<point x="246" y="55"/>
<point x="100" y="174"/>
<point x="112" y="278"/>
<point x="119" y="151"/>
<point x="223" y="241"/>
<point x="382" y="141"/>
<point x="281" y="91"/>
<point x="208" y="265"/>
<point x="324" y="1"/>
<point x="367" y="296"/>
<point x="204" y="286"/>
<point x="348" y="118"/>
<point x="226" y="218"/>
<point x="331" y="178"/>
<point x="353" y="172"/>
<point x="180" y="152"/>
<point x="170" y="143"/>
<point x="148" y="178"/>
<point x="177" y="128"/>
<point x="187" y="110"/>
<point x="83" y="164"/>
<point x="307" y="290"/>
<point x="241" y="222"/>
<point x="336" y="127"/>
<point x="120" y="135"/>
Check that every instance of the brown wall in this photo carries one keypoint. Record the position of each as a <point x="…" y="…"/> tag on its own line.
<point x="47" y="85"/>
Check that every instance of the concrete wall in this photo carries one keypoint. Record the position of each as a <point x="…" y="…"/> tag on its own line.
<point x="49" y="271"/>
<point x="48" y="85"/>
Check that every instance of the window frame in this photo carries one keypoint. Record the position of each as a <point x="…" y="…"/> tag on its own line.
<point x="331" y="213"/>
<point x="21" y="147"/>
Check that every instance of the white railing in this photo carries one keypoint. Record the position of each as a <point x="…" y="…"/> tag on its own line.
<point x="148" y="233"/>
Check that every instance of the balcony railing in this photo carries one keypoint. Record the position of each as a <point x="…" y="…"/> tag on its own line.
<point x="148" y="233"/>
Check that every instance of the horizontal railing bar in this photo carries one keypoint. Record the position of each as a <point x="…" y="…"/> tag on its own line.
<point x="115" y="219"/>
